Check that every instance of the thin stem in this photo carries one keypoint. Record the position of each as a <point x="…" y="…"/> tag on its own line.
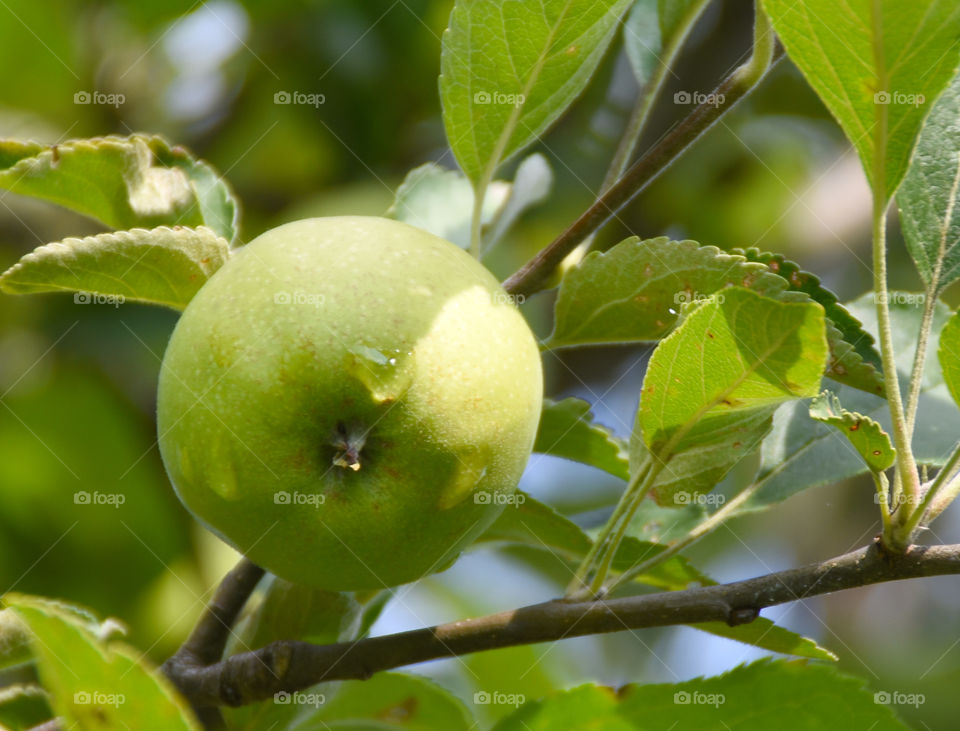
<point x="207" y="641"/>
<point x="583" y="571"/>
<point x="883" y="499"/>
<point x="929" y="305"/>
<point x="708" y="525"/>
<point x="640" y="494"/>
<point x="919" y="359"/>
<point x="943" y="478"/>
<point x="648" y="95"/>
<point x="532" y="276"/>
<point x="476" y="220"/>
<point x="906" y="465"/>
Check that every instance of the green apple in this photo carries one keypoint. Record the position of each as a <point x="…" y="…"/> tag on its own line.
<point x="349" y="402"/>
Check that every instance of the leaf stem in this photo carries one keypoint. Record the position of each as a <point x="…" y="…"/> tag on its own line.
<point x="476" y="220"/>
<point x="579" y="581"/>
<point x="533" y="275"/>
<point x="943" y="478"/>
<point x="648" y="95"/>
<point x="919" y="359"/>
<point x="932" y="292"/>
<point x="706" y="526"/>
<point x="639" y="495"/>
<point x="907" y="486"/>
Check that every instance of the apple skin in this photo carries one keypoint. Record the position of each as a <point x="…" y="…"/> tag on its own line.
<point x="348" y="402"/>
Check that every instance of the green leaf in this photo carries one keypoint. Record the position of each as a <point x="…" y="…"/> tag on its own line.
<point x="14" y="640"/>
<point x="802" y="453"/>
<point x="567" y="430"/>
<point x="763" y="633"/>
<point x="713" y="384"/>
<point x="388" y="701"/>
<point x="949" y="356"/>
<point x="125" y="182"/>
<point x="866" y="435"/>
<point x="95" y="684"/>
<point x="930" y="195"/>
<point x="654" y="25"/>
<point x="585" y="707"/>
<point x="441" y="201"/>
<point x="509" y="69"/>
<point x="878" y="65"/>
<point x="23" y="707"/>
<point x="634" y="291"/>
<point x="288" y="611"/>
<point x="163" y="266"/>
<point x="786" y="695"/>
<point x="850" y="328"/>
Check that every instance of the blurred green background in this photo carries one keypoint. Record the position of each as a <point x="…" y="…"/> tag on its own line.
<point x="77" y="382"/>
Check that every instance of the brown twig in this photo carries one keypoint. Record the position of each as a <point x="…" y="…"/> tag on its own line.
<point x="292" y="665"/>
<point x="531" y="276"/>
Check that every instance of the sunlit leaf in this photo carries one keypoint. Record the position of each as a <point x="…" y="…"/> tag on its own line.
<point x="509" y="69"/>
<point x="878" y="65"/>
<point x="95" y="684"/>
<point x="802" y="453"/>
<point x="163" y="266"/>
<point x="713" y="384"/>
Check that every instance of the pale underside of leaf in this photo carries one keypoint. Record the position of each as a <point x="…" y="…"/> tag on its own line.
<point x="125" y="182"/>
<point x="929" y="195"/>
<point x="164" y="266"/>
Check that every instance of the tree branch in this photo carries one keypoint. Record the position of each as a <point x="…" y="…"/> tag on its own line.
<point x="531" y="276"/>
<point x="207" y="641"/>
<point x="292" y="665"/>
